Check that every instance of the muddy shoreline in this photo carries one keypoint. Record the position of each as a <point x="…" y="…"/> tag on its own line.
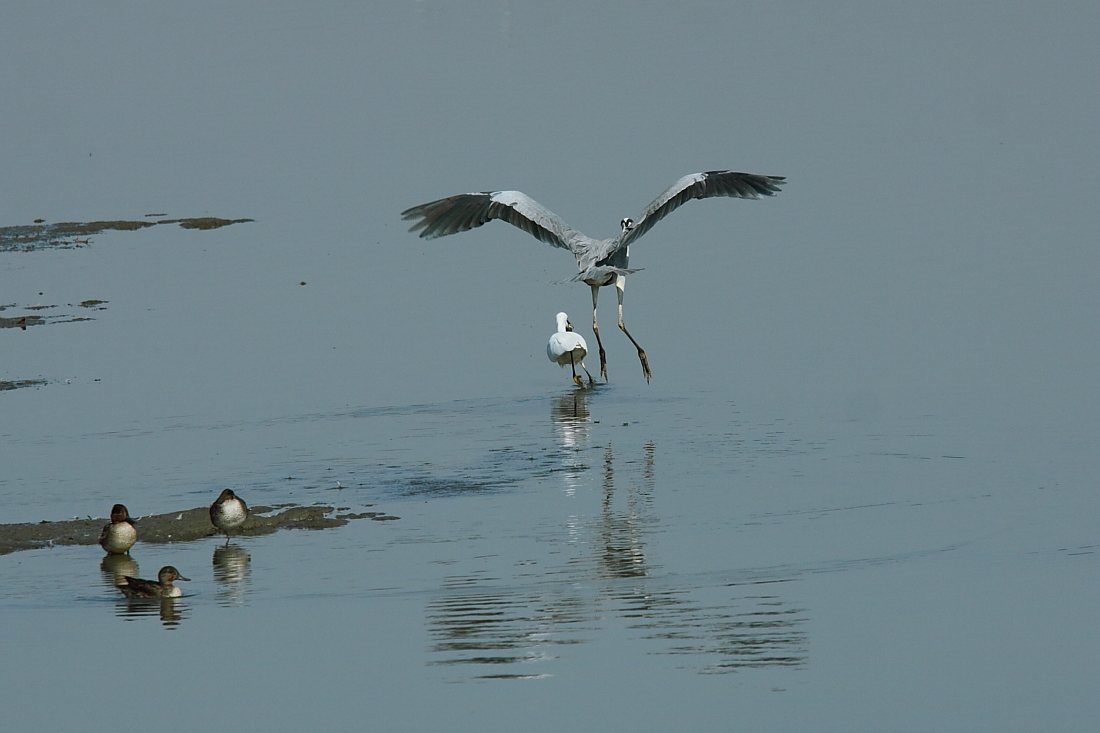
<point x="73" y="235"/>
<point x="180" y="526"/>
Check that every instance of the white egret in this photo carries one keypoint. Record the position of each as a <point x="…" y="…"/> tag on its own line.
<point x="567" y="347"/>
<point x="600" y="262"/>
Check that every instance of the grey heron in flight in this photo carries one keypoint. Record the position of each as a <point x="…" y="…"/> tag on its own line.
<point x="600" y="262"/>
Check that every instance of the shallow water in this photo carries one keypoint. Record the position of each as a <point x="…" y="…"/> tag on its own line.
<point x="859" y="493"/>
<point x="654" y="559"/>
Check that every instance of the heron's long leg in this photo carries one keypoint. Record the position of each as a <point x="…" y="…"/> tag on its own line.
<point x="620" y="286"/>
<point x="573" y="366"/>
<point x="596" y="330"/>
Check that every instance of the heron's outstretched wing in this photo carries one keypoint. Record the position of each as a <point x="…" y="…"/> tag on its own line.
<point x="465" y="211"/>
<point x="700" y="186"/>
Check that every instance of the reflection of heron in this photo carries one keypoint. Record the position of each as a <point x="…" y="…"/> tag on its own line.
<point x="600" y="262"/>
<point x="622" y="532"/>
<point x="567" y="347"/>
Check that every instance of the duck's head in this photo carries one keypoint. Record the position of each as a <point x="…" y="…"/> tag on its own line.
<point x="169" y="574"/>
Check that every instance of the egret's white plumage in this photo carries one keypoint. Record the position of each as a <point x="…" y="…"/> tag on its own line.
<point x="600" y="262"/>
<point x="567" y="347"/>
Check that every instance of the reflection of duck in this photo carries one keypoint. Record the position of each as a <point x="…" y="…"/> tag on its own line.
<point x="170" y="610"/>
<point x="231" y="572"/>
<point x="161" y="588"/>
<point x="228" y="512"/>
<point x="116" y="568"/>
<point x="121" y="534"/>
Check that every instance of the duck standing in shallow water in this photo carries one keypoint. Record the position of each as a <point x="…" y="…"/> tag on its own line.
<point x="567" y="347"/>
<point x="121" y="534"/>
<point x="160" y="588"/>
<point x="228" y="512"/>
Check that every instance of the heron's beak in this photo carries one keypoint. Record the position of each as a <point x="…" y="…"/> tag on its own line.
<point x="568" y="326"/>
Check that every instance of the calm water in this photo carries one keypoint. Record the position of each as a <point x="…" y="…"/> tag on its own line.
<point x="859" y="493"/>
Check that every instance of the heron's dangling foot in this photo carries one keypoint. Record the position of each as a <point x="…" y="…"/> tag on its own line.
<point x="603" y="363"/>
<point x="578" y="380"/>
<point x="645" y="365"/>
<point x="641" y="352"/>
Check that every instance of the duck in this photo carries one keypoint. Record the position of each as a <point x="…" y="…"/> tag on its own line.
<point x="228" y="512"/>
<point x="160" y="588"/>
<point x="120" y="535"/>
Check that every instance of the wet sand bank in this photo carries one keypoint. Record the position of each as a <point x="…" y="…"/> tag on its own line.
<point x="180" y="526"/>
<point x="72" y="235"/>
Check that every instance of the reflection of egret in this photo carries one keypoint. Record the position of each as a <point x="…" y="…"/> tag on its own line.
<point x="231" y="573"/>
<point x="567" y="347"/>
<point x="600" y="262"/>
<point x="569" y="413"/>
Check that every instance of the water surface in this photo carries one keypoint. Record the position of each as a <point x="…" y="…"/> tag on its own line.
<point x="859" y="493"/>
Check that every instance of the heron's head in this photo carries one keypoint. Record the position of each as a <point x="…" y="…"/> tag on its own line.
<point x="627" y="224"/>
